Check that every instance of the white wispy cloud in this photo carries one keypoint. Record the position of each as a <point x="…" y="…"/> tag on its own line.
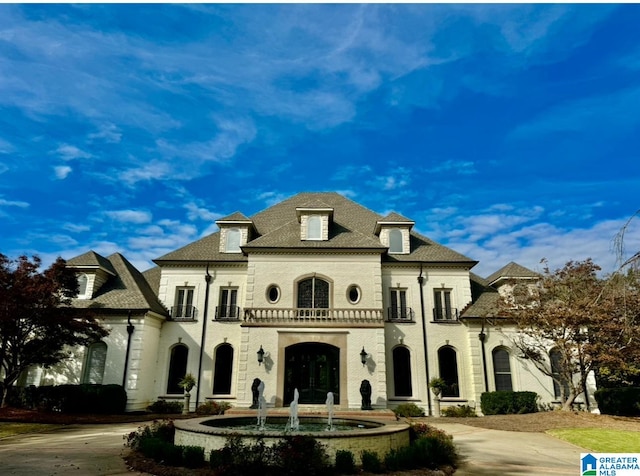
<point x="153" y="170"/>
<point x="462" y="167"/>
<point x="196" y="212"/>
<point x="71" y="152"/>
<point x="107" y="133"/>
<point x="129" y="216"/>
<point x="13" y="203"/>
<point x="6" y="147"/>
<point x="62" y="171"/>
<point x="75" y="227"/>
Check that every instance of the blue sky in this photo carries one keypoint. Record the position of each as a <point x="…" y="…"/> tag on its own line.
<point x="507" y="132"/>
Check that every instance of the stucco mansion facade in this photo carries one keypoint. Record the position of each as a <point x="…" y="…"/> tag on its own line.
<point x="316" y="293"/>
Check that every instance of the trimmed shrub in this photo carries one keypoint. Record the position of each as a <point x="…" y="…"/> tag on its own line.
<point x="507" y="403"/>
<point x="193" y="456"/>
<point x="166" y="407"/>
<point x="84" y="398"/>
<point x="345" y="462"/>
<point x="371" y="462"/>
<point x="290" y="456"/>
<point x="408" y="410"/>
<point x="623" y="401"/>
<point x="460" y="411"/>
<point x="300" y="454"/>
<point x="159" y="430"/>
<point x="213" y="408"/>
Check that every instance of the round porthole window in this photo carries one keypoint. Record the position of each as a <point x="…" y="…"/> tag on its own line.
<point x="353" y="294"/>
<point x="273" y="294"/>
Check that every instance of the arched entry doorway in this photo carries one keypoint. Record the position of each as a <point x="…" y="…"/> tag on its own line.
<point x="314" y="369"/>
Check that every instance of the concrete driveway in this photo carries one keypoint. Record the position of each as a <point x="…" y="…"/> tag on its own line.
<point x="506" y="453"/>
<point x="91" y="450"/>
<point x="74" y="450"/>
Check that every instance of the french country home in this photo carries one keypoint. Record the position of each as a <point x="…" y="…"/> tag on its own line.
<point x="316" y="293"/>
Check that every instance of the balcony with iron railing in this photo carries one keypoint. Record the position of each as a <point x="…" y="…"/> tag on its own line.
<point x="400" y="314"/>
<point x="184" y="313"/>
<point x="228" y="313"/>
<point x="327" y="317"/>
<point x="445" y="314"/>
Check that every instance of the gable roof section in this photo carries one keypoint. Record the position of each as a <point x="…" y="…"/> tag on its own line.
<point x="353" y="228"/>
<point x="511" y="270"/>
<point x="127" y="290"/>
<point x="484" y="299"/>
<point x="91" y="260"/>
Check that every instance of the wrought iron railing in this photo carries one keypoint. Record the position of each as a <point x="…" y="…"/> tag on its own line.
<point x="228" y="313"/>
<point x="400" y="314"/>
<point x="184" y="313"/>
<point x="446" y="314"/>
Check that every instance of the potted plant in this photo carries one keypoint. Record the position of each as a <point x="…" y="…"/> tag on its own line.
<point x="437" y="385"/>
<point x="187" y="383"/>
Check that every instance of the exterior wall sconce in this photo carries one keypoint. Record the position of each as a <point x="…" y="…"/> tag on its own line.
<point x="260" y="356"/>
<point x="363" y="356"/>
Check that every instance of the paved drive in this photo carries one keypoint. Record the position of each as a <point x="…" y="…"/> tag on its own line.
<point x="88" y="450"/>
<point x="494" y="452"/>
<point x="76" y="450"/>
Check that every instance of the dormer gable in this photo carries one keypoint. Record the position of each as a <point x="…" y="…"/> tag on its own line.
<point x="235" y="232"/>
<point x="314" y="222"/>
<point x="92" y="270"/>
<point x="511" y="275"/>
<point x="394" y="231"/>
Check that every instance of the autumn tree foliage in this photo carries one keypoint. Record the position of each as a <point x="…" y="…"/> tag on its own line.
<point x="574" y="322"/>
<point x="38" y="326"/>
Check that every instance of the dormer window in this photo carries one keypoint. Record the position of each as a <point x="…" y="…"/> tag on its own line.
<point x="235" y="232"/>
<point x="395" y="232"/>
<point x="314" y="223"/>
<point x="395" y="241"/>
<point x="314" y="228"/>
<point x="232" y="244"/>
<point x="83" y="282"/>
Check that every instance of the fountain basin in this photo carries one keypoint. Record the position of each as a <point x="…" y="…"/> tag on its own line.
<point x="211" y="433"/>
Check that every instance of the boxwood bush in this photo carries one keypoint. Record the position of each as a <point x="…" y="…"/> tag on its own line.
<point x="623" y="401"/>
<point x="507" y="403"/>
<point x="408" y="410"/>
<point x="84" y="398"/>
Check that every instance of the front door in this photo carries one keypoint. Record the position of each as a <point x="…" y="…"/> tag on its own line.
<point x="312" y="368"/>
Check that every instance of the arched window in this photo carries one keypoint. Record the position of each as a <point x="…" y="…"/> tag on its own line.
<point x="395" y="241"/>
<point x="448" y="365"/>
<point x="222" y="370"/>
<point x="313" y="293"/>
<point x="556" y="369"/>
<point x="233" y="241"/>
<point x="502" y="369"/>
<point x="314" y="228"/>
<point x="402" y="372"/>
<point x="82" y="285"/>
<point x="95" y="363"/>
<point x="177" y="368"/>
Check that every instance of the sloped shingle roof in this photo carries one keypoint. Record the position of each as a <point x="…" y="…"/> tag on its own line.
<point x="512" y="270"/>
<point x="353" y="227"/>
<point x="91" y="259"/>
<point x="127" y="290"/>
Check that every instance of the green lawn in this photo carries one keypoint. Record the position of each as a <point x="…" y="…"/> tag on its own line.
<point x="11" y="429"/>
<point x="601" y="441"/>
